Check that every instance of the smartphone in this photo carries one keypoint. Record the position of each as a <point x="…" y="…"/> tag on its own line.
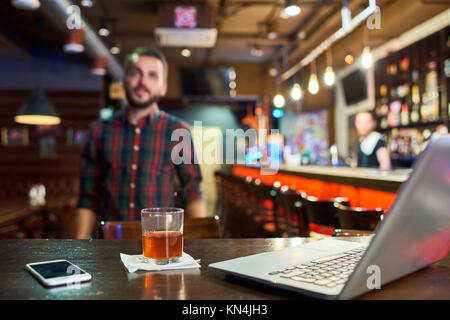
<point x="57" y="272"/>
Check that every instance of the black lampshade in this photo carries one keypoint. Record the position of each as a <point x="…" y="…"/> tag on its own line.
<point x="38" y="111"/>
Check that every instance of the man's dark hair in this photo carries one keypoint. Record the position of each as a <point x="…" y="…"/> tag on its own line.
<point x="149" y="51"/>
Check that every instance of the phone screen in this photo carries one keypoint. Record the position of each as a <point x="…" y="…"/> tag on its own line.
<point x="56" y="269"/>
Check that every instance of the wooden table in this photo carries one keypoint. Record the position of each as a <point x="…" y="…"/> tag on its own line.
<point x="112" y="281"/>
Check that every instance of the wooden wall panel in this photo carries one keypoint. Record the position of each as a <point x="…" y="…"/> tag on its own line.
<point x="22" y="165"/>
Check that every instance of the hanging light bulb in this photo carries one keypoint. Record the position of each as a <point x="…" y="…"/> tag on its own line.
<point x="313" y="85"/>
<point x="296" y="92"/>
<point x="278" y="101"/>
<point x="291" y="9"/>
<point x="329" y="76"/>
<point x="366" y="58"/>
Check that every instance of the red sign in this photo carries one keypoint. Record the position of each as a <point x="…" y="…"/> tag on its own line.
<point x="185" y="17"/>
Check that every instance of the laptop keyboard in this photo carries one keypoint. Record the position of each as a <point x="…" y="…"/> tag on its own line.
<point x="329" y="271"/>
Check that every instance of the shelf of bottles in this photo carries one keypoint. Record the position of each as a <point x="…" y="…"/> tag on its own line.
<point x="412" y="94"/>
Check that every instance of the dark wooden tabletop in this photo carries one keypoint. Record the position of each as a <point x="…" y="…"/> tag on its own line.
<point x="17" y="209"/>
<point x="111" y="280"/>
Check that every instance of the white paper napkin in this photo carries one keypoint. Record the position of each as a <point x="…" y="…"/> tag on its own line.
<point x="136" y="262"/>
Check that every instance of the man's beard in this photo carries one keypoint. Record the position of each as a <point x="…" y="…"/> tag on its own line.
<point x="140" y="105"/>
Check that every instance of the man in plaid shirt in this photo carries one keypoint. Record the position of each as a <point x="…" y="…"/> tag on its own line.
<point x="127" y="161"/>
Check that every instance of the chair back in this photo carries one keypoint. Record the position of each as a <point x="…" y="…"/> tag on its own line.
<point x="193" y="228"/>
<point x="264" y="209"/>
<point x="358" y="218"/>
<point x="322" y="214"/>
<point x="291" y="212"/>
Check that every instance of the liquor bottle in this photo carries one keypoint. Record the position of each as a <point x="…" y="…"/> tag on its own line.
<point x="394" y="113"/>
<point x="415" y="97"/>
<point x="404" y="116"/>
<point x="431" y="86"/>
<point x="404" y="63"/>
<point x="415" y="115"/>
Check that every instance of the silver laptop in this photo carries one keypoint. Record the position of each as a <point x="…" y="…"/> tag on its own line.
<point x="414" y="234"/>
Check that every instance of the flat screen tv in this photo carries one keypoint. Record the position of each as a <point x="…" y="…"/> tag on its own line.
<point x="205" y="81"/>
<point x="355" y="87"/>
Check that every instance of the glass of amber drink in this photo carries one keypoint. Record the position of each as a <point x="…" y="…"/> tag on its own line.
<point x="162" y="234"/>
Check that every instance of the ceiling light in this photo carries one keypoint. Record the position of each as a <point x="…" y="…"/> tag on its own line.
<point x="186" y="53"/>
<point x="257" y="51"/>
<point x="232" y="74"/>
<point x="273" y="72"/>
<point x="366" y="58"/>
<point x="296" y="92"/>
<point x="301" y="35"/>
<point x="115" y="49"/>
<point x="103" y="31"/>
<point x="278" y="101"/>
<point x="74" y="41"/>
<point x="38" y="111"/>
<point x="349" y="59"/>
<point x="98" y="66"/>
<point x="26" y="4"/>
<point x="87" y="3"/>
<point x="329" y="76"/>
<point x="272" y="35"/>
<point x="291" y="9"/>
<point x="313" y="85"/>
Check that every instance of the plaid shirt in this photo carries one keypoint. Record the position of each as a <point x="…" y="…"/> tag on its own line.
<point x="126" y="168"/>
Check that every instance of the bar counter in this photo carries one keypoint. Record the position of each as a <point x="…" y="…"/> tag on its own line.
<point x="110" y="279"/>
<point x="364" y="187"/>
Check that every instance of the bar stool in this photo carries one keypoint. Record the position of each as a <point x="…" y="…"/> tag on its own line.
<point x="219" y="206"/>
<point x="358" y="219"/>
<point x="235" y="193"/>
<point x="322" y="214"/>
<point x="291" y="212"/>
<point x="263" y="208"/>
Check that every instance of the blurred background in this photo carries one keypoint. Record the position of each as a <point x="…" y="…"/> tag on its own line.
<point x="233" y="64"/>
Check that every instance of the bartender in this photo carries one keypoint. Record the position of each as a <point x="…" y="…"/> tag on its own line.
<point x="370" y="150"/>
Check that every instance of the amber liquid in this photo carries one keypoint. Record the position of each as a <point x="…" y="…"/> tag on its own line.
<point x="162" y="244"/>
